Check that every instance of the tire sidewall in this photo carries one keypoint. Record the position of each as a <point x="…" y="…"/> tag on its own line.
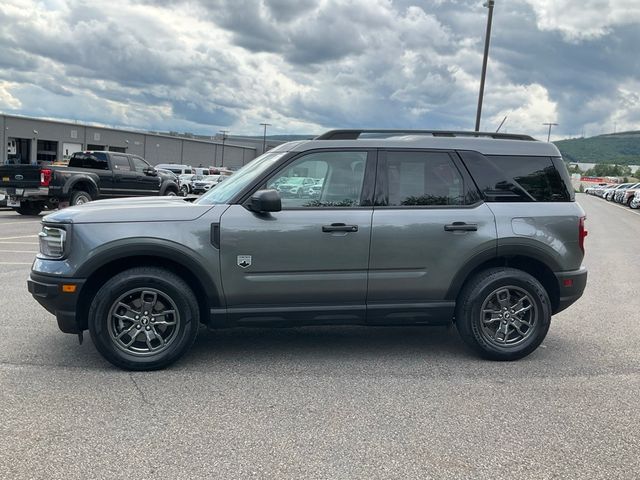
<point x="468" y="317"/>
<point x="169" y="285"/>
<point x="78" y="194"/>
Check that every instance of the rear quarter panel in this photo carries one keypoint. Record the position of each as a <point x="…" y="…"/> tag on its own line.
<point x="546" y="230"/>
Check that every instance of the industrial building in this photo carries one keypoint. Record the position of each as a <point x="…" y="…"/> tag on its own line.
<point x="42" y="141"/>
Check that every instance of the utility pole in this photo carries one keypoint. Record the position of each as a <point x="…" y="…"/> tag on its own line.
<point x="264" y="136"/>
<point x="549" y="125"/>
<point x="224" y="138"/>
<point x="487" y="40"/>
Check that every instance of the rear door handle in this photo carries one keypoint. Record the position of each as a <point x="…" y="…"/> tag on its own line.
<point x="339" y="227"/>
<point x="461" y="227"/>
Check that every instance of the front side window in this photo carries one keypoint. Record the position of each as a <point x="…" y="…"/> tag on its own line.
<point x="139" y="164"/>
<point x="421" y="179"/>
<point x="322" y="179"/>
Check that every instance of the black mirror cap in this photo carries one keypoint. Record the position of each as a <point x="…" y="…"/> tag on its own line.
<point x="265" y="201"/>
<point x="150" y="171"/>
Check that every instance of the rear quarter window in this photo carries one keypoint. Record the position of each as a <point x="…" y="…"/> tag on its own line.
<point x="511" y="178"/>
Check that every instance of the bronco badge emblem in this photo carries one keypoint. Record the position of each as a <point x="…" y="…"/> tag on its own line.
<point x="244" y="261"/>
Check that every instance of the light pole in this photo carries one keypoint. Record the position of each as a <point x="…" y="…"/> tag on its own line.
<point x="264" y="136"/>
<point x="549" y="133"/>
<point x="487" y="39"/>
<point x="224" y="138"/>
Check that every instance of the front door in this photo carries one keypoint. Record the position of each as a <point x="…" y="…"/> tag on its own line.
<point x="428" y="224"/>
<point x="307" y="263"/>
<point x="125" y="178"/>
<point x="147" y="184"/>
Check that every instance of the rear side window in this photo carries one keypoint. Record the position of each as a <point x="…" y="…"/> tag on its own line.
<point x="508" y="178"/>
<point x="420" y="179"/>
<point x="95" y="161"/>
<point x="120" y="164"/>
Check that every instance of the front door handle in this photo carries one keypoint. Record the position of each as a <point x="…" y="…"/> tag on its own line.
<point x="339" y="227"/>
<point x="461" y="227"/>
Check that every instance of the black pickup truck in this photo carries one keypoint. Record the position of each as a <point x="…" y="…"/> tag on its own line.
<point x="89" y="176"/>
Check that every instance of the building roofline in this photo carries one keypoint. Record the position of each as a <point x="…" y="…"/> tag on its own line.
<point x="121" y="130"/>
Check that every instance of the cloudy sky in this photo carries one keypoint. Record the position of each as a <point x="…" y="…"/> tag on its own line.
<point x="308" y="65"/>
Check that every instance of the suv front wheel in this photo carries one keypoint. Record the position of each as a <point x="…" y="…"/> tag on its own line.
<point x="144" y="319"/>
<point x="503" y="313"/>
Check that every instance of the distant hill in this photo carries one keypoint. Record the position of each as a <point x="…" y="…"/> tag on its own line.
<point x="617" y="148"/>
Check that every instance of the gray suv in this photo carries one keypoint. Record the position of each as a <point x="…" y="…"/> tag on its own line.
<point x="408" y="228"/>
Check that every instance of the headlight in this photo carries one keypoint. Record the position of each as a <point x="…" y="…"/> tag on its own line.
<point x="52" y="242"/>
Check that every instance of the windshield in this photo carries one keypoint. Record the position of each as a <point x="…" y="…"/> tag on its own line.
<point x="226" y="190"/>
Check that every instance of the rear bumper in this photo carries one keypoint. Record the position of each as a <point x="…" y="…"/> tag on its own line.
<point x="571" y="286"/>
<point x="21" y="193"/>
<point x="48" y="292"/>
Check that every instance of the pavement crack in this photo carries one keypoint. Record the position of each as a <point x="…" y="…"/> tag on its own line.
<point x="142" y="395"/>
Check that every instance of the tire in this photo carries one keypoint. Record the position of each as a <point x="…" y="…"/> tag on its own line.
<point x="170" y="192"/>
<point x="184" y="190"/>
<point x="114" y="310"/>
<point x="481" y="295"/>
<point x="30" y="208"/>
<point x="79" y="197"/>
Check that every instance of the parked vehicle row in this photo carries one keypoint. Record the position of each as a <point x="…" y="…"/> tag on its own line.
<point x="93" y="175"/>
<point x="624" y="193"/>
<point x="90" y="175"/>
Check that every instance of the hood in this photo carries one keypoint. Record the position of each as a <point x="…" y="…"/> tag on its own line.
<point x="122" y="210"/>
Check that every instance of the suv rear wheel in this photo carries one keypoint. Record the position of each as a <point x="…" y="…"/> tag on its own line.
<point x="144" y="319"/>
<point x="503" y="313"/>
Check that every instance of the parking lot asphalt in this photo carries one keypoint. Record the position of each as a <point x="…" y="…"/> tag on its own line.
<point x="331" y="402"/>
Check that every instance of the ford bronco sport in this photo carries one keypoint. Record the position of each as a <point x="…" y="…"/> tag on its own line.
<point x="408" y="227"/>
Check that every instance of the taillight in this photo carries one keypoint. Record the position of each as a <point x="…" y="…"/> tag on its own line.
<point x="45" y="177"/>
<point x="582" y="233"/>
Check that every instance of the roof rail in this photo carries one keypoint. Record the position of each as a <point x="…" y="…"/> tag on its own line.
<point x="356" y="134"/>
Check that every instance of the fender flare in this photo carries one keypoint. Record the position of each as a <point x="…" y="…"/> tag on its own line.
<point x="157" y="248"/>
<point x="169" y="183"/>
<point x="503" y="252"/>
<point x="75" y="179"/>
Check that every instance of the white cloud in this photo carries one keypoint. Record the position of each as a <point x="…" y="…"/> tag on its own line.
<point x="309" y="65"/>
<point x="6" y="98"/>
<point x="587" y="19"/>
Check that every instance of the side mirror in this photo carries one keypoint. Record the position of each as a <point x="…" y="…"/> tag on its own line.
<point x="265" y="201"/>
<point x="150" y="171"/>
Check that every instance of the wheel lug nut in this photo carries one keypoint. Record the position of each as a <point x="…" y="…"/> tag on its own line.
<point x="148" y="328"/>
<point x="137" y="317"/>
<point x="146" y="313"/>
<point x="138" y="327"/>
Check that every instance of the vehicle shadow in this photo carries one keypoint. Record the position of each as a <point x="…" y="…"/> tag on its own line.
<point x="325" y="344"/>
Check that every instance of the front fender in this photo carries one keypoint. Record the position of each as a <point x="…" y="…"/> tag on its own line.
<point x="158" y="249"/>
<point x="169" y="183"/>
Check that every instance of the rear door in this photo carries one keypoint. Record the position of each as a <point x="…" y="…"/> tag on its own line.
<point x="428" y="223"/>
<point x="308" y="262"/>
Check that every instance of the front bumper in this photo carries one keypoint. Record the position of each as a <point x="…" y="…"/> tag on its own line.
<point x="48" y="292"/>
<point x="571" y="286"/>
